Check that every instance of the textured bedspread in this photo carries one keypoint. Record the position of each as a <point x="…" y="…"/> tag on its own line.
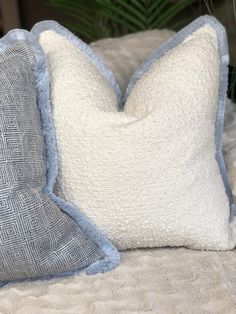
<point x="147" y="281"/>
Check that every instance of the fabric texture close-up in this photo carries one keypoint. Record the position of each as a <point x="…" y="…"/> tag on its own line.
<point x="150" y="171"/>
<point x="165" y="280"/>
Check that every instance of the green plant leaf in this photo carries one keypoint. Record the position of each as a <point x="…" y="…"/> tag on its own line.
<point x="94" y="19"/>
<point x="156" y="9"/>
<point x="121" y="16"/>
<point x="170" y="13"/>
<point x="137" y="13"/>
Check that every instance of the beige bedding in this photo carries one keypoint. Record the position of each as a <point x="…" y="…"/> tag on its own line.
<point x="147" y="281"/>
<point x="161" y="281"/>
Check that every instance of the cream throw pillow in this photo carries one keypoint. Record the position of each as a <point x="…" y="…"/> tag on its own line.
<point x="133" y="49"/>
<point x="151" y="174"/>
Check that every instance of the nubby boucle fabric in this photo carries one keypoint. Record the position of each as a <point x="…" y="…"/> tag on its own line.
<point x="133" y="49"/>
<point x="151" y="174"/>
<point x="40" y="234"/>
<point x="116" y="52"/>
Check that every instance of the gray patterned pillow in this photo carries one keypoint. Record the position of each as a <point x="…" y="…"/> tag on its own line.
<point x="40" y="234"/>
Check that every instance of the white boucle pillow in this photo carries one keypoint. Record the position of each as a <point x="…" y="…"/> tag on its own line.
<point x="133" y="49"/>
<point x="146" y="168"/>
